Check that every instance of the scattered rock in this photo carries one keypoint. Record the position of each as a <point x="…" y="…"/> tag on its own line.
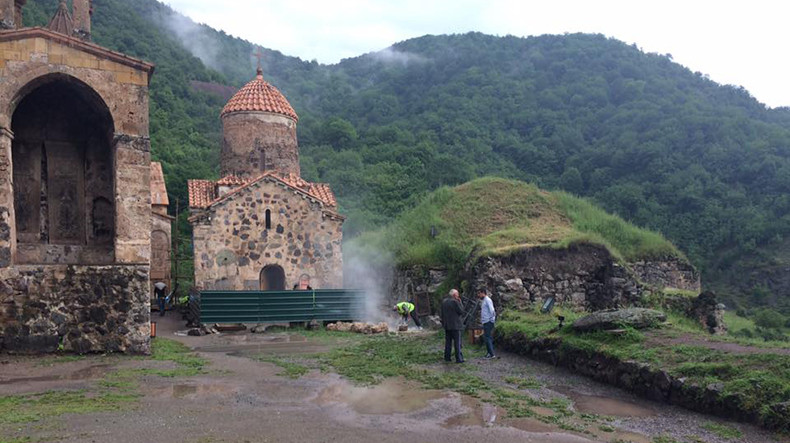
<point x="196" y="332"/>
<point x="639" y="318"/>
<point x="403" y="328"/>
<point x="361" y="328"/>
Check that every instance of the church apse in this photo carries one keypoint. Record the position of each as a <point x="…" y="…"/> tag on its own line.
<point x="75" y="197"/>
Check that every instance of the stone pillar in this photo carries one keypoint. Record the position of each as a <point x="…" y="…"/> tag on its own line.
<point x="7" y="222"/>
<point x="132" y="199"/>
<point x="7" y="14"/>
<point x="83" y="9"/>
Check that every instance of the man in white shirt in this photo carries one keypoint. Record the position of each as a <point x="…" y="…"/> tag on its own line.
<point x="487" y="318"/>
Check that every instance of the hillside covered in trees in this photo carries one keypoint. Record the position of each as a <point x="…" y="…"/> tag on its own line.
<point x="661" y="146"/>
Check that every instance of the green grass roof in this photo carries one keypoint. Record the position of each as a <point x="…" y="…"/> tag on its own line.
<point x="495" y="216"/>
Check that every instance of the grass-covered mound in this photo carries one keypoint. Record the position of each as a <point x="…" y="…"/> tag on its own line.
<point x="495" y="216"/>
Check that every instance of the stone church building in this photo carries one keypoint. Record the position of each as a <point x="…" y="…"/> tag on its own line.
<point x="76" y="189"/>
<point x="261" y="226"/>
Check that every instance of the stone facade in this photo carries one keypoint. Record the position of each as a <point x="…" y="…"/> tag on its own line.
<point x="233" y="246"/>
<point x="256" y="142"/>
<point x="75" y="206"/>
<point x="261" y="226"/>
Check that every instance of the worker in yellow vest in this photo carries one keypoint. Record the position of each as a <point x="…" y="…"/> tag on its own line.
<point x="406" y="309"/>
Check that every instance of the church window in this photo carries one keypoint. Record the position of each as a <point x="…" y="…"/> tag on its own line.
<point x="268" y="219"/>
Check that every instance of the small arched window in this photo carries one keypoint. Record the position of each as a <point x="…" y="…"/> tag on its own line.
<point x="268" y="219"/>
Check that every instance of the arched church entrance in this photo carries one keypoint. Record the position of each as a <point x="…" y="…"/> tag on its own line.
<point x="63" y="174"/>
<point x="272" y="278"/>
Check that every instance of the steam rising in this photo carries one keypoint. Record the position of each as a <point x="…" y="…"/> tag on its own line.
<point x="194" y="38"/>
<point x="393" y="56"/>
<point x="371" y="271"/>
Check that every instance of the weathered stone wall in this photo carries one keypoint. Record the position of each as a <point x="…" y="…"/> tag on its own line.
<point x="79" y="308"/>
<point x="255" y="142"/>
<point x="232" y="245"/>
<point x="30" y="58"/>
<point x="418" y="284"/>
<point x="581" y="277"/>
<point x="667" y="273"/>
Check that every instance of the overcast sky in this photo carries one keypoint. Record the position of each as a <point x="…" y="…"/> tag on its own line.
<point x="745" y="43"/>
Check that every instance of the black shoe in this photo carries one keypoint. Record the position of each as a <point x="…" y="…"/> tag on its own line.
<point x="460" y="361"/>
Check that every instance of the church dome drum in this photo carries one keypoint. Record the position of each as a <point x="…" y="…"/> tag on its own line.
<point x="259" y="132"/>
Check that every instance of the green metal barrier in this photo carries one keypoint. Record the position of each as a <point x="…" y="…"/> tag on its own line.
<point x="280" y="306"/>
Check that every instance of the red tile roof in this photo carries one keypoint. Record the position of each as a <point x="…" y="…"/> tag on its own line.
<point x="232" y="180"/>
<point x="158" y="187"/>
<point x="258" y="95"/>
<point x="202" y="193"/>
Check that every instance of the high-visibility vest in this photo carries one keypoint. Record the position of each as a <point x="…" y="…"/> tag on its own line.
<point x="404" y="307"/>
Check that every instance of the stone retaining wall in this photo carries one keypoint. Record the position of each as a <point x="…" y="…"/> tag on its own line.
<point x="647" y="381"/>
<point x="75" y="309"/>
<point x="583" y="277"/>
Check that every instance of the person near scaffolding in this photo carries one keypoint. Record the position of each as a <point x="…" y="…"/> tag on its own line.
<point x="406" y="309"/>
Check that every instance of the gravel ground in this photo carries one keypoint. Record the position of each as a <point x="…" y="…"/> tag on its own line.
<point x="244" y="400"/>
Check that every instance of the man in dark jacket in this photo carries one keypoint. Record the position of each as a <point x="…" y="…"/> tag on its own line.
<point x="452" y="321"/>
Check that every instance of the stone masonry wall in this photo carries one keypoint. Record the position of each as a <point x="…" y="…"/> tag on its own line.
<point x="667" y="273"/>
<point x="581" y="277"/>
<point x="74" y="308"/>
<point x="232" y="244"/>
<point x="255" y="142"/>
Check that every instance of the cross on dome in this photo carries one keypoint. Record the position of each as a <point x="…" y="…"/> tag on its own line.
<point x="259" y="56"/>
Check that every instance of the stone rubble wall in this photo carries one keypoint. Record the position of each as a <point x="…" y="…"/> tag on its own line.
<point x="647" y="381"/>
<point x="582" y="277"/>
<point x="232" y="245"/>
<point x="667" y="273"/>
<point x="75" y="309"/>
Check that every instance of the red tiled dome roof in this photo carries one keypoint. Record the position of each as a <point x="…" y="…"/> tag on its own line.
<point x="259" y="95"/>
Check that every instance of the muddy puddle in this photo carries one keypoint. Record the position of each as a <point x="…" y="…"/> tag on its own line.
<point x="392" y="396"/>
<point x="94" y="371"/>
<point x="594" y="404"/>
<point x="194" y="391"/>
<point x="480" y="414"/>
<point x="290" y="344"/>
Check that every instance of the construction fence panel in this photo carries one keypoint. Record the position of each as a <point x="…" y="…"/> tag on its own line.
<point x="280" y="306"/>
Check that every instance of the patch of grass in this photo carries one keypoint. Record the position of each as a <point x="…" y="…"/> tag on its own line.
<point x="606" y="428"/>
<point x="665" y="439"/>
<point x="290" y="369"/>
<point x="759" y="380"/>
<point x="722" y="430"/>
<point x="189" y="363"/>
<point x="525" y="382"/>
<point x="36" y="407"/>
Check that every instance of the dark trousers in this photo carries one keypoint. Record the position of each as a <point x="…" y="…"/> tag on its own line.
<point x="416" y="318"/>
<point x="161" y="302"/>
<point x="452" y="339"/>
<point x="488" y="337"/>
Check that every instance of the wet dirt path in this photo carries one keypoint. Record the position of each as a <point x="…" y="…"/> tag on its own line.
<point x="242" y="399"/>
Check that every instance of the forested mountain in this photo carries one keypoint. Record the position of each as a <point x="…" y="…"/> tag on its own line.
<point x="644" y="137"/>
